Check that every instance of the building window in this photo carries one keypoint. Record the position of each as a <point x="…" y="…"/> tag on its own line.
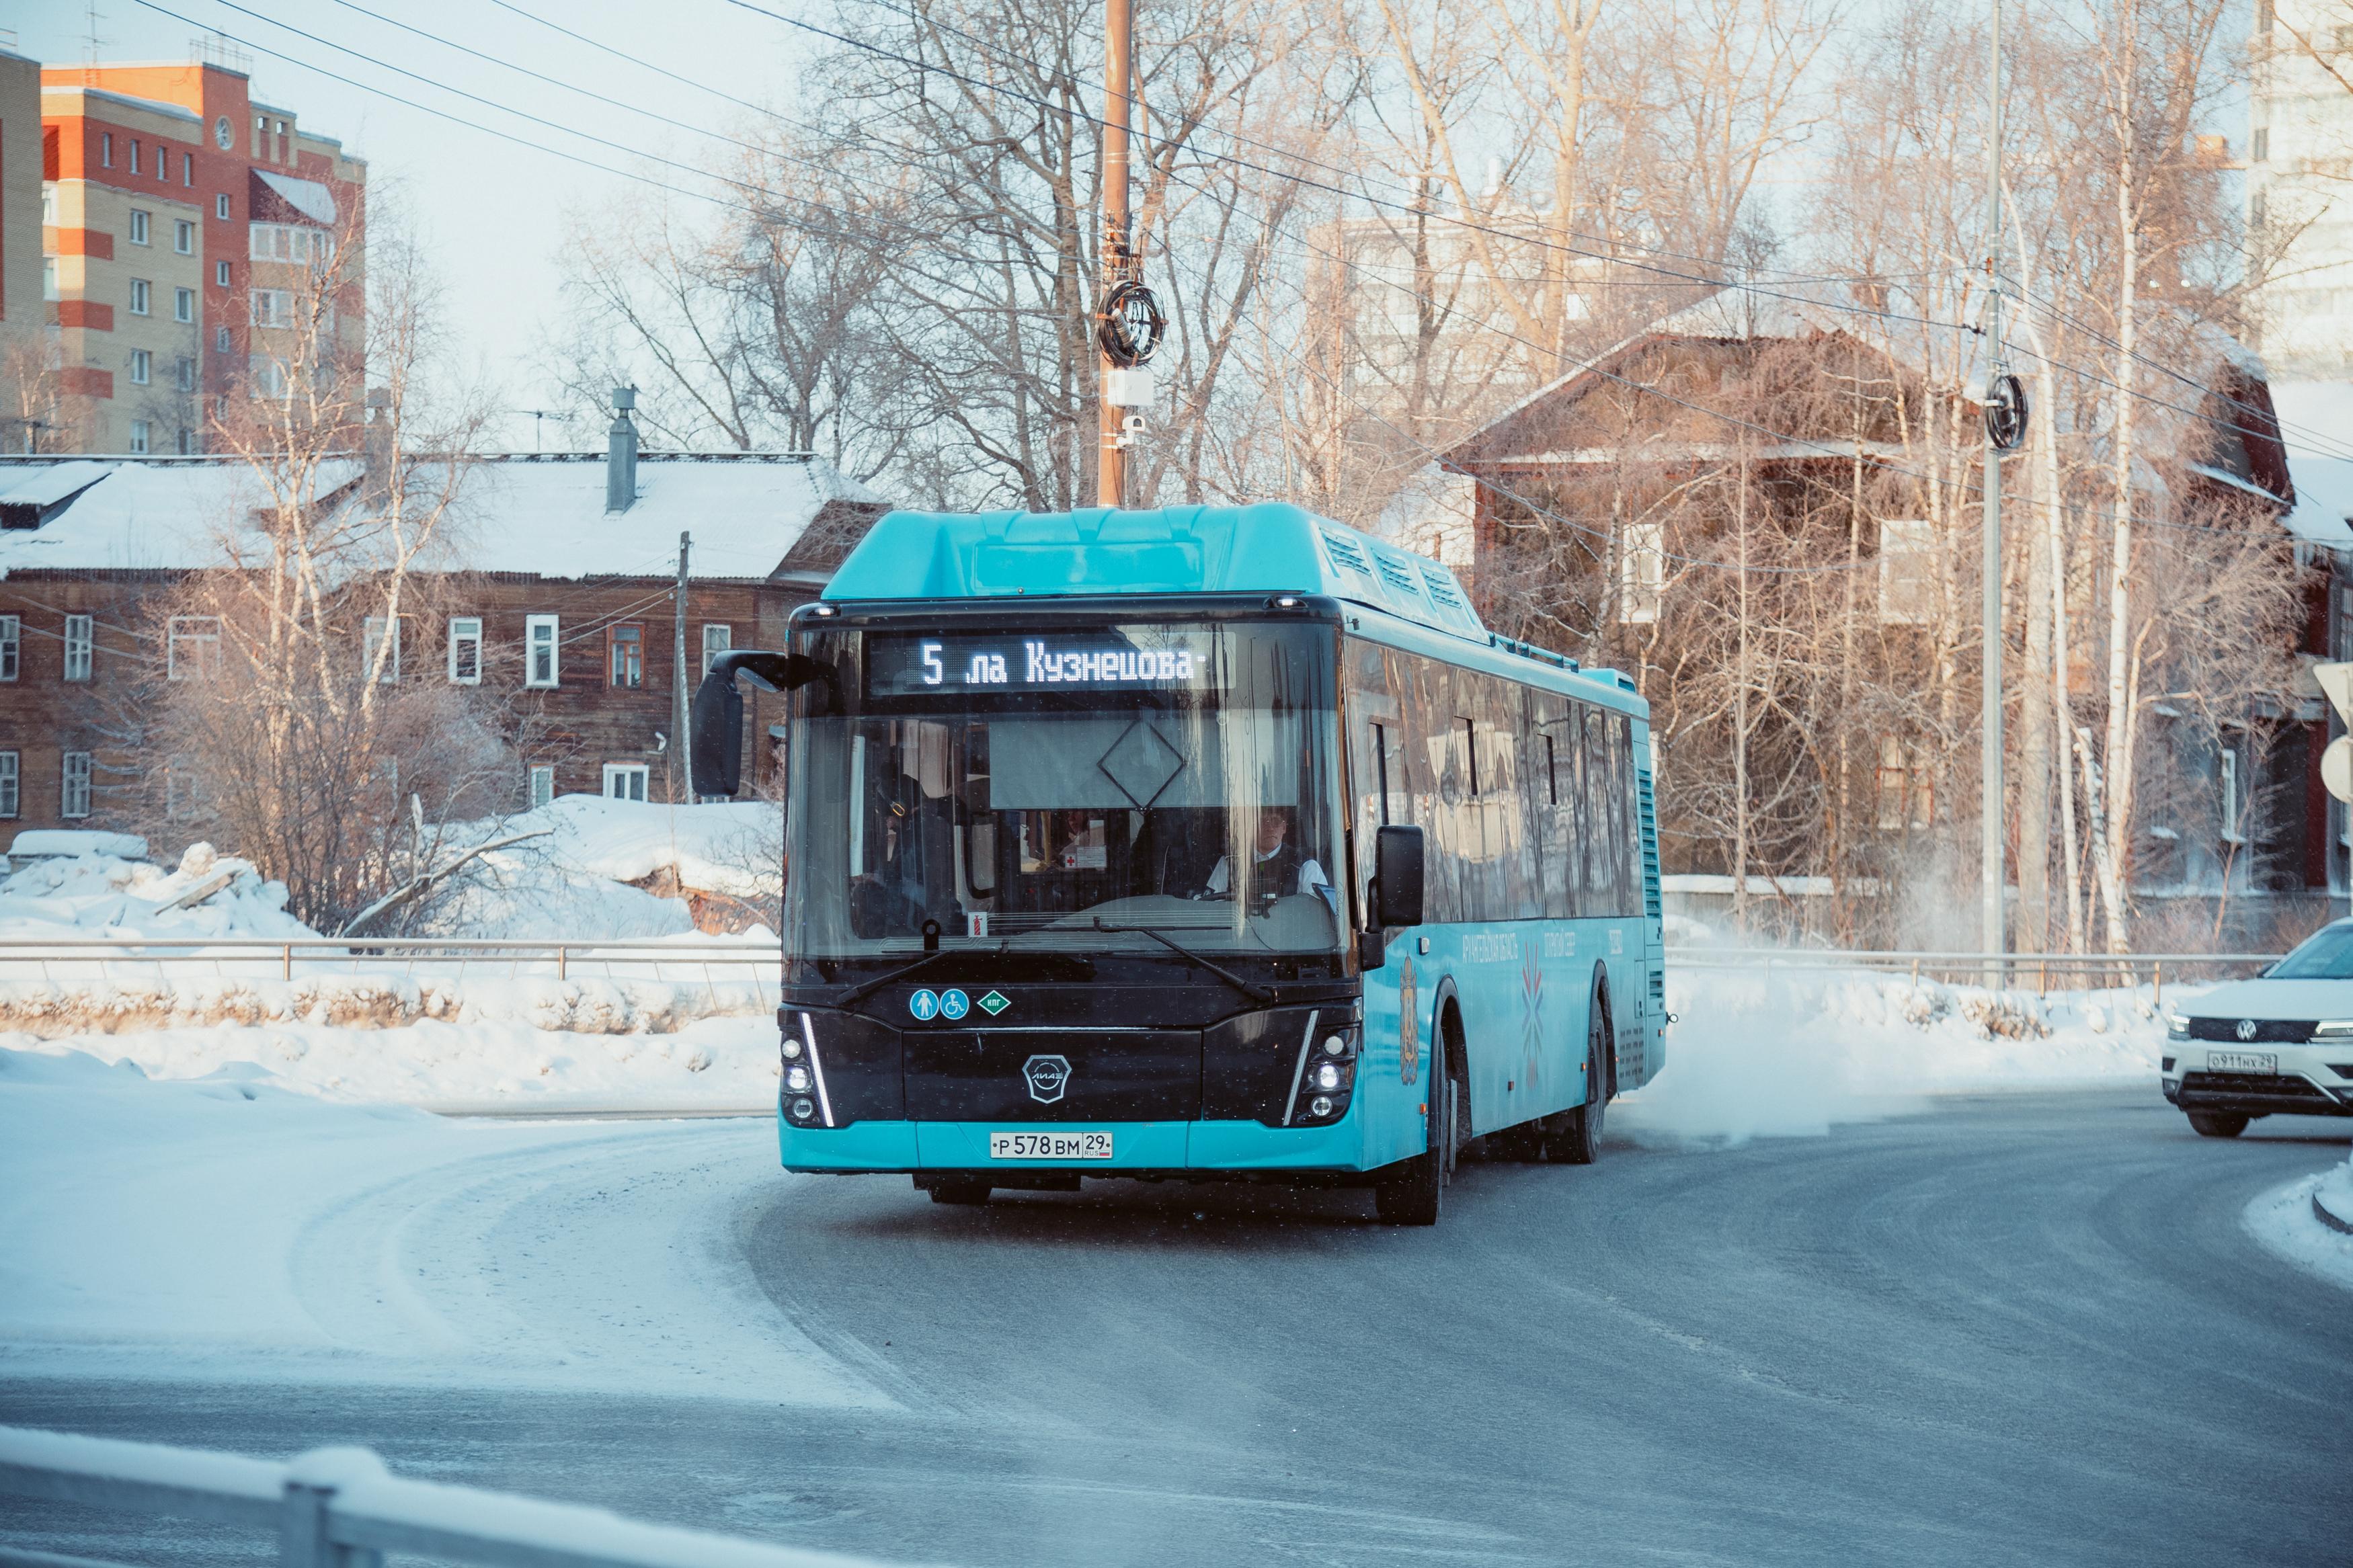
<point x="48" y="276"/>
<point x="220" y="339"/>
<point x="183" y="791"/>
<point x="542" y="784"/>
<point x="465" y="649"/>
<point x="183" y="236"/>
<point x="48" y="201"/>
<point x="187" y="168"/>
<point x="267" y="375"/>
<point x="2234" y="825"/>
<point x="372" y="640"/>
<point x="184" y="374"/>
<point x="273" y="307"/>
<point x="106" y="149"/>
<point x="191" y="646"/>
<point x="143" y="367"/>
<point x="1907" y="571"/>
<point x="1641" y="571"/>
<point x="289" y="242"/>
<point x="73" y="798"/>
<point x="11" y="798"/>
<point x="717" y="639"/>
<point x="626" y="651"/>
<point x="12" y="646"/>
<point x="187" y="442"/>
<point x="81" y="642"/>
<point x="142" y="292"/>
<point x="2258" y="144"/>
<point x="142" y="438"/>
<point x="184" y="304"/>
<point x="1905" y="790"/>
<point x="138" y="224"/>
<point x="220" y="207"/>
<point x="162" y="161"/>
<point x="625" y="781"/>
<point x="539" y="650"/>
<point x="220" y="274"/>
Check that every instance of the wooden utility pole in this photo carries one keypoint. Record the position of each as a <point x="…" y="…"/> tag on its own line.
<point x="1992" y="932"/>
<point x="682" y="769"/>
<point x="1118" y="51"/>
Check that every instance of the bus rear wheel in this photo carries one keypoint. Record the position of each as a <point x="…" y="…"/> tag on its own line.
<point x="1579" y="1141"/>
<point x="1413" y="1192"/>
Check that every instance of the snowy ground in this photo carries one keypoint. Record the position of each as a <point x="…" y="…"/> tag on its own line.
<point x="228" y="1229"/>
<point x="2282" y="1220"/>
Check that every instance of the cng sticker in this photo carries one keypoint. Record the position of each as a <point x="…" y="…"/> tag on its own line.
<point x="924" y="1005"/>
<point x="953" y="1004"/>
<point x="993" y="1004"/>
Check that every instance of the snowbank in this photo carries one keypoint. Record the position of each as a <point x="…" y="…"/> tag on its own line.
<point x="2283" y="1221"/>
<point x="226" y="1229"/>
<point x="1792" y="1052"/>
<point x="104" y="894"/>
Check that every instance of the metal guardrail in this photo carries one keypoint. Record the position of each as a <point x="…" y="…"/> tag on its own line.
<point x="286" y="957"/>
<point x="2039" y="971"/>
<point x="341" y="1508"/>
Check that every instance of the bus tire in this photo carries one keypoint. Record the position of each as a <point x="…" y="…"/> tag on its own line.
<point x="969" y="1191"/>
<point x="1579" y="1142"/>
<point x="1413" y="1191"/>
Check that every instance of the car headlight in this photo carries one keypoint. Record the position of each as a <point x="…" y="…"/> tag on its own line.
<point x="2333" y="1029"/>
<point x="2177" y="1027"/>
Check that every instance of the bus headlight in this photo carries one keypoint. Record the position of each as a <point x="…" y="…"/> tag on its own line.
<point x="1327" y="1079"/>
<point x="1319" y="1106"/>
<point x="803" y="1109"/>
<point x="791" y="1049"/>
<point x="797" y="1079"/>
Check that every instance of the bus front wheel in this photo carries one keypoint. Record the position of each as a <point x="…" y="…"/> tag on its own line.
<point x="954" y="1189"/>
<point x="1413" y="1192"/>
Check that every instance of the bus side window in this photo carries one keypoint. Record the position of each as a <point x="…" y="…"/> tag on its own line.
<point x="1599" y="883"/>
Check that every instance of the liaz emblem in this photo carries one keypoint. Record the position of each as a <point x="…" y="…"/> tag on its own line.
<point x="1408" y="1037"/>
<point x="1048" y="1076"/>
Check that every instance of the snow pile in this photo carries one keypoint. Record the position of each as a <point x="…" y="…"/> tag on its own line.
<point x="226" y="1229"/>
<point x="2285" y="1221"/>
<point x="98" y="894"/>
<point x="131" y="1003"/>
<point x="524" y="1066"/>
<point x="1790" y="1052"/>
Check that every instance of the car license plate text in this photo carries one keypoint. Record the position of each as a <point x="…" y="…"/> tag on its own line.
<point x="1050" y="1145"/>
<point x="2243" y="1061"/>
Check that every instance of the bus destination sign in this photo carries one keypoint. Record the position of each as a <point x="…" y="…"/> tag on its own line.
<point x="1077" y="661"/>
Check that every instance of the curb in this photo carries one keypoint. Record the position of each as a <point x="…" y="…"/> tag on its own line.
<point x="2329" y="1217"/>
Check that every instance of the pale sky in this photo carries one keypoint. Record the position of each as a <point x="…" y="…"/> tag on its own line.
<point x="494" y="212"/>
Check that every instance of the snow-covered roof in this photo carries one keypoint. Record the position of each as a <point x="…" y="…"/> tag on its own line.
<point x="542" y="516"/>
<point x="2316" y="424"/>
<point x="309" y="197"/>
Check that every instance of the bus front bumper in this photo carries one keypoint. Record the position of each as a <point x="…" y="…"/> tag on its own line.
<point x="1136" y="1146"/>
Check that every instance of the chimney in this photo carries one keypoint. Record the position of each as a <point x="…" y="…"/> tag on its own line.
<point x="621" y="454"/>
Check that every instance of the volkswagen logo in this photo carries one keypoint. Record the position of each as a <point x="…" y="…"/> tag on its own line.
<point x="2246" y="1029"/>
<point x="1047" y="1078"/>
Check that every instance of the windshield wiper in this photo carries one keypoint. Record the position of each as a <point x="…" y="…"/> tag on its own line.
<point x="1256" y="992"/>
<point x="860" y="992"/>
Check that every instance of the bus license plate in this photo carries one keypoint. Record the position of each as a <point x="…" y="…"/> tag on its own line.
<point x="2244" y="1061"/>
<point x="1050" y="1145"/>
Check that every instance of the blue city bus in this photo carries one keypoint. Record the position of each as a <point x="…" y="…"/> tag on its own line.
<point x="1208" y="843"/>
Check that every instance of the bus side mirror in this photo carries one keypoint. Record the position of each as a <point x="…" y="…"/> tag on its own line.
<point x="1396" y="876"/>
<point x="714" y="758"/>
<point x="714" y="754"/>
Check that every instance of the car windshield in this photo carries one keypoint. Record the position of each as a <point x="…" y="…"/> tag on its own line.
<point x="2326" y="954"/>
<point x="1066" y="789"/>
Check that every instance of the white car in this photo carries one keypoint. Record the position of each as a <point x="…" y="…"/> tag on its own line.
<point x="2281" y="1042"/>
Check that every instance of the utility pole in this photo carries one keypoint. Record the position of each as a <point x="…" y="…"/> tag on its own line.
<point x="1119" y="54"/>
<point x="1990" y="810"/>
<point x="681" y="766"/>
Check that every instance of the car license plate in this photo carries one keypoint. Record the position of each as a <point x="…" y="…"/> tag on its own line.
<point x="1050" y="1145"/>
<point x="2243" y="1061"/>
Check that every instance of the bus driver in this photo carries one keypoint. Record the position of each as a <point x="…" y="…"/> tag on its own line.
<point x="1277" y="867"/>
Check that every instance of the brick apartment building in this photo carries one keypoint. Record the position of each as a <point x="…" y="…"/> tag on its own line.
<point x="564" y="606"/>
<point x="180" y="218"/>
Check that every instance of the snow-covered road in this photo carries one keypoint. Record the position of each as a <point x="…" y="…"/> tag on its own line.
<point x="227" y="1229"/>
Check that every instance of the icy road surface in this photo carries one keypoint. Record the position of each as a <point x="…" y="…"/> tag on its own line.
<point x="2007" y="1330"/>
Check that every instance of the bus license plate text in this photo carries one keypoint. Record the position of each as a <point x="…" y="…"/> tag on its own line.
<point x="1050" y="1145"/>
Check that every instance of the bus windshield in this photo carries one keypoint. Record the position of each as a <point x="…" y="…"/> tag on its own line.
<point x="1078" y="789"/>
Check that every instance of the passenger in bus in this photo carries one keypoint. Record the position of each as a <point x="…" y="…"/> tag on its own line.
<point x="1277" y="867"/>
